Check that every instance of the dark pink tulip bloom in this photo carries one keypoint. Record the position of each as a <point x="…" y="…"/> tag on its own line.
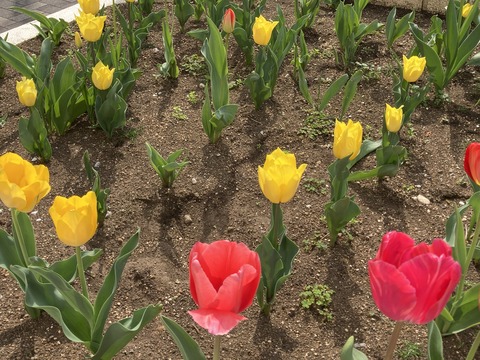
<point x="412" y="282"/>
<point x="224" y="277"/>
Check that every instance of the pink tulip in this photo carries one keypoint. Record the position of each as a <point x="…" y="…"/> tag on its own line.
<point x="412" y="282"/>
<point x="471" y="162"/>
<point x="224" y="277"/>
<point x="228" y="22"/>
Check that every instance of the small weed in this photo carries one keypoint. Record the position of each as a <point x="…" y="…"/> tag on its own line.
<point x="3" y="120"/>
<point x="319" y="298"/>
<point x="370" y="71"/>
<point x="410" y="130"/>
<point x="314" y="185"/>
<point x="408" y="187"/>
<point x="313" y="53"/>
<point x="409" y="350"/>
<point x="192" y="97"/>
<point x="178" y="113"/>
<point x="316" y="124"/>
<point x="315" y="241"/>
<point x="194" y="64"/>
<point x="235" y="83"/>
<point x="131" y="133"/>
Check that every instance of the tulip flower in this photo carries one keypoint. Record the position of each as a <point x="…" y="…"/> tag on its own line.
<point x="262" y="30"/>
<point x="471" y="162"/>
<point x="130" y="1"/>
<point x="27" y="92"/>
<point x="347" y="139"/>
<point x="224" y="277"/>
<point x="279" y="177"/>
<point x="89" y="6"/>
<point x="75" y="218"/>
<point x="393" y="118"/>
<point x="466" y="9"/>
<point x="413" y="68"/>
<point x="91" y="27"/>
<point x="412" y="282"/>
<point x="78" y="40"/>
<point x="102" y="76"/>
<point x="22" y="184"/>
<point x="228" y="22"/>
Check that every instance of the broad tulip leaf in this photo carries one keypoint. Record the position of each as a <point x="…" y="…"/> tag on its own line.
<point x="350" y="353"/>
<point x="9" y="254"/>
<point x="332" y="90"/>
<point x="467" y="314"/>
<point x="183" y="11"/>
<point x="104" y="299"/>
<point x="17" y="58"/>
<point x="303" y="86"/>
<point x="224" y="116"/>
<point x="43" y="65"/>
<point x="451" y="34"/>
<point x="435" y="343"/>
<point x="350" y="91"/>
<point x="338" y="215"/>
<point x="122" y="332"/>
<point x="475" y="60"/>
<point x="185" y="343"/>
<point x="464" y="51"/>
<point x="33" y="135"/>
<point x="25" y="232"/>
<point x="71" y="310"/>
<point x="367" y="147"/>
<point x="68" y="268"/>
<point x="272" y="267"/>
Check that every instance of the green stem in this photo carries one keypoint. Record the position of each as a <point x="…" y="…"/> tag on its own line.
<point x="81" y="272"/>
<point x="216" y="347"/>
<point x="393" y="340"/>
<point x="19" y="236"/>
<point x="226" y="43"/>
<point x="276" y="226"/>
<point x="267" y="308"/>
<point x="474" y="348"/>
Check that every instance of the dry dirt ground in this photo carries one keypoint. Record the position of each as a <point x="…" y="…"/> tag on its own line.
<point x="217" y="197"/>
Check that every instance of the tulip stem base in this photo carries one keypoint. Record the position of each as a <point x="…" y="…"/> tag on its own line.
<point x="393" y="340"/>
<point x="81" y="272"/>
<point x="216" y="347"/>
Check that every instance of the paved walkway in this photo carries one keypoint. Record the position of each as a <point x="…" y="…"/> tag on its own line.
<point x="10" y="19"/>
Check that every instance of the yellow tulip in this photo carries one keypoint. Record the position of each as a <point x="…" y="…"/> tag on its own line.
<point x="89" y="6"/>
<point x="262" y="30"/>
<point x="347" y="139"/>
<point x="130" y="1"/>
<point x="413" y="68"/>
<point x="22" y="184"/>
<point x="279" y="177"/>
<point x="78" y="40"/>
<point x="27" y="92"/>
<point x="466" y="9"/>
<point x="393" y="118"/>
<point x="75" y="218"/>
<point x="102" y="76"/>
<point x="90" y="26"/>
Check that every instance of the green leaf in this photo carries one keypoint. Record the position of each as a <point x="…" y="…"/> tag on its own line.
<point x="338" y="215"/>
<point x="122" y="332"/>
<point x="25" y="232"/>
<point x="350" y="91"/>
<point x="435" y="344"/>
<point x="68" y="268"/>
<point x="272" y="267"/>
<point x="43" y="65"/>
<point x="33" y="135"/>
<point x="104" y="299"/>
<point x="332" y="90"/>
<point x="17" y="58"/>
<point x="9" y="254"/>
<point x="303" y="86"/>
<point x="111" y="112"/>
<point x="466" y="314"/>
<point x="350" y="353"/>
<point x="185" y="343"/>
<point x="451" y="34"/>
<point x="367" y="147"/>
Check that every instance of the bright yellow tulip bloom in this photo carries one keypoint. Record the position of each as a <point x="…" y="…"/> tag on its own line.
<point x="262" y="30"/>
<point x="90" y="26"/>
<point x="27" y="92"/>
<point x="89" y="6"/>
<point x="413" y="68"/>
<point x="75" y="218"/>
<point x="22" y="184"/>
<point x="393" y="118"/>
<point x="279" y="176"/>
<point x="347" y="139"/>
<point x="466" y="9"/>
<point x="102" y="76"/>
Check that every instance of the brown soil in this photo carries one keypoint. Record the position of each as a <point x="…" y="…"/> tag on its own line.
<point x="219" y="191"/>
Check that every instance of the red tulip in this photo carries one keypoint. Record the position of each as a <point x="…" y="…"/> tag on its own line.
<point x="471" y="163"/>
<point x="224" y="277"/>
<point x="228" y="23"/>
<point x="412" y="283"/>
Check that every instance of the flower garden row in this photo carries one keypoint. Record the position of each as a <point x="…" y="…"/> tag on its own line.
<point x="421" y="284"/>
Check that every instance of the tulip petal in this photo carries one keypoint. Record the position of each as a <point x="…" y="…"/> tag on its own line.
<point x="391" y="290"/>
<point x="394" y="245"/>
<point x="216" y="322"/>
<point x="203" y="293"/>
<point x="435" y="278"/>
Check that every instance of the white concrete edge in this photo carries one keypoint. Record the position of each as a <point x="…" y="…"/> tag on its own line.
<point x="28" y="31"/>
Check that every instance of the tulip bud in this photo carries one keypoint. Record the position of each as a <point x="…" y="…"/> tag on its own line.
<point x="393" y="118"/>
<point x="466" y="9"/>
<point x="228" y="22"/>
<point x="262" y="30"/>
<point x="78" y="40"/>
<point x="75" y="218"/>
<point x="279" y="177"/>
<point x="102" y="76"/>
<point x="27" y="92"/>
<point x="413" y="68"/>
<point x="22" y="184"/>
<point x="347" y="139"/>
<point x="91" y="27"/>
<point x="89" y="6"/>
<point x="471" y="162"/>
